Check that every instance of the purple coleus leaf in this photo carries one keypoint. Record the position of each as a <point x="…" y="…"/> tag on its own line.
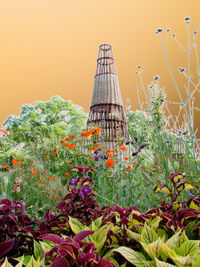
<point x="105" y="263"/>
<point x="52" y="237"/>
<point x="80" y="236"/>
<point x="5" y="247"/>
<point x="60" y="262"/>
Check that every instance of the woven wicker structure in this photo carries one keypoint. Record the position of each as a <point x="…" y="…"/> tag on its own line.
<point x="106" y="109"/>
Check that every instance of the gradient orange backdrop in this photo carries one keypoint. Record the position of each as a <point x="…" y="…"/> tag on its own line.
<point x="49" y="47"/>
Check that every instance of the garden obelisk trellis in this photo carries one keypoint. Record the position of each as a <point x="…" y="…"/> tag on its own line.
<point x="106" y="109"/>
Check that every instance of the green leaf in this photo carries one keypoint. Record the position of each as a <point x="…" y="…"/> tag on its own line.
<point x="45" y="246"/>
<point x="133" y="235"/>
<point x="20" y="264"/>
<point x="171" y="243"/>
<point x="38" y="251"/>
<point x="76" y="225"/>
<point x="181" y="261"/>
<point x="163" y="264"/>
<point x="193" y="205"/>
<point x="148" y="235"/>
<point x="94" y="226"/>
<point x="154" y="223"/>
<point x="26" y="259"/>
<point x="99" y="237"/>
<point x="182" y="238"/>
<point x="196" y="261"/>
<point x="6" y="264"/>
<point x="153" y="249"/>
<point x="189" y="247"/>
<point x="33" y="263"/>
<point x="133" y="257"/>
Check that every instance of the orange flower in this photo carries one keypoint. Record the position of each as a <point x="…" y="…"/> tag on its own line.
<point x="96" y="131"/>
<point x="79" y="141"/>
<point x="72" y="135"/>
<point x="67" y="139"/>
<point x="32" y="161"/>
<point x="34" y="173"/>
<point x="94" y="148"/>
<point x="123" y="148"/>
<point x="5" y="166"/>
<point x="62" y="141"/>
<point x="72" y="146"/>
<point x="22" y="158"/>
<point x="42" y="171"/>
<point x="67" y="144"/>
<point x="46" y="156"/>
<point x="22" y="163"/>
<point x="69" y="161"/>
<point x="67" y="174"/>
<point x="133" y="164"/>
<point x="41" y="181"/>
<point x="15" y="162"/>
<point x="110" y="163"/>
<point x="54" y="150"/>
<point x="56" y="197"/>
<point x="128" y="167"/>
<point x="54" y="178"/>
<point x="126" y="158"/>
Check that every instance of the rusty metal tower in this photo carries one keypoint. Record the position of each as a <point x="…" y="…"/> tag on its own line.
<point x="106" y="109"/>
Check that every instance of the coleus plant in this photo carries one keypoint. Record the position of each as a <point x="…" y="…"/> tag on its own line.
<point x="73" y="252"/>
<point x="15" y="228"/>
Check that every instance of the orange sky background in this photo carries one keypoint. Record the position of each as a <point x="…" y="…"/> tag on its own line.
<point x="50" y="47"/>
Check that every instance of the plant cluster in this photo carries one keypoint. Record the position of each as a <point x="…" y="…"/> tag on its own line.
<point x="80" y="233"/>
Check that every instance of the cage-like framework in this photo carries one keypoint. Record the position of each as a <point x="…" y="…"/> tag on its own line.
<point x="106" y="109"/>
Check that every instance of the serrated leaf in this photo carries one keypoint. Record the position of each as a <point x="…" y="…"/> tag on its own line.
<point x="133" y="235"/>
<point x="155" y="222"/>
<point x="163" y="264"/>
<point x="33" y="263"/>
<point x="188" y="186"/>
<point x="6" y="264"/>
<point x="153" y="249"/>
<point x="181" y="261"/>
<point x="132" y="256"/>
<point x="189" y="247"/>
<point x="166" y="252"/>
<point x="148" y="235"/>
<point x="196" y="261"/>
<point x="26" y="259"/>
<point x="100" y="236"/>
<point x="194" y="206"/>
<point x="94" y="226"/>
<point x="38" y="251"/>
<point x="20" y="264"/>
<point x="76" y="225"/>
<point x="171" y="243"/>
<point x="165" y="189"/>
<point x="182" y="238"/>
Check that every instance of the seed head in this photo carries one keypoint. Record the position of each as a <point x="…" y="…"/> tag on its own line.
<point x="159" y="30"/>
<point x="187" y="19"/>
<point x="156" y="78"/>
